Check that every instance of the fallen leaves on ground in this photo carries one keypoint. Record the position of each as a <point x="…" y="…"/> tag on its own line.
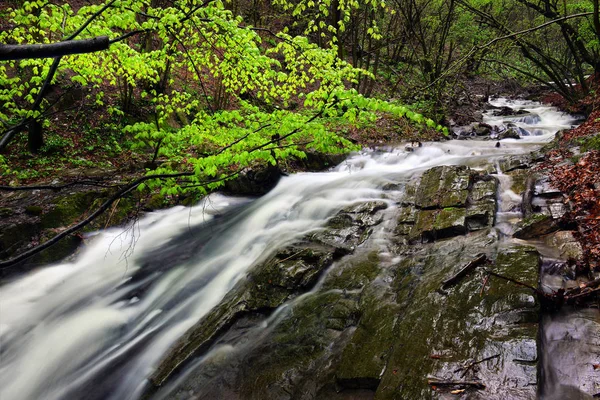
<point x="579" y="179"/>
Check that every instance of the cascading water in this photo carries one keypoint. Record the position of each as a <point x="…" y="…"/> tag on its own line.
<point x="536" y="120"/>
<point x="95" y="328"/>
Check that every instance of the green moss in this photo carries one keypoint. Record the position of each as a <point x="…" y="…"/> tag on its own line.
<point x="366" y="356"/>
<point x="34" y="210"/>
<point x="445" y="186"/>
<point x="407" y="215"/>
<point x="450" y="218"/>
<point x="423" y="225"/>
<point x="590" y="143"/>
<point x="519" y="178"/>
<point x="6" y="212"/>
<point x="535" y="226"/>
<point x="67" y="209"/>
<point x="438" y="224"/>
<point x="426" y="195"/>
<point x="155" y="202"/>
<point x="353" y="275"/>
<point x="300" y="340"/>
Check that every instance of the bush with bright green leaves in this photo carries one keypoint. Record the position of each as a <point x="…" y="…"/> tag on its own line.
<point x="180" y="61"/>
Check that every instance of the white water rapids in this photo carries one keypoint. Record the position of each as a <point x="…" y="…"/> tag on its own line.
<point x="97" y="326"/>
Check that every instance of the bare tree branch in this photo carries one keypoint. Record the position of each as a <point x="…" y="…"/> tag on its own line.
<point x="105" y="206"/>
<point x="51" y="50"/>
<point x="475" y="49"/>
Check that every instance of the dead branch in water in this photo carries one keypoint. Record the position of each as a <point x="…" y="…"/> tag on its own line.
<point x="469" y="366"/>
<point x="453" y="280"/>
<point x="461" y="384"/>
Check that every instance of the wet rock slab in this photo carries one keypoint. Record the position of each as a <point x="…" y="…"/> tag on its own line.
<point x="439" y="334"/>
<point x="285" y="275"/>
<point x="380" y="330"/>
<point x="441" y="187"/>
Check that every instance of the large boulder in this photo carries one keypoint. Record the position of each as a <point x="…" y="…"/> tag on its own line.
<point x="468" y="334"/>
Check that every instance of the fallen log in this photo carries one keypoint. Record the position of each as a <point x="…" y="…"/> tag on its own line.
<point x="583" y="288"/>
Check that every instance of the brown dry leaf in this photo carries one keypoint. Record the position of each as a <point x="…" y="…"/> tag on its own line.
<point x="596" y="366"/>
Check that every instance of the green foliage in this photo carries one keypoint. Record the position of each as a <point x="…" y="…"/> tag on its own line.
<point x="55" y="144"/>
<point x="322" y="23"/>
<point x="590" y="143"/>
<point x="184" y="58"/>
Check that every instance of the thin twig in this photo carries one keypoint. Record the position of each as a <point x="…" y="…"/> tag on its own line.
<point x="506" y="278"/>
<point x="467" y="367"/>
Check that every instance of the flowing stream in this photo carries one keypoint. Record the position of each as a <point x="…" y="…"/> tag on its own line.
<point x="97" y="326"/>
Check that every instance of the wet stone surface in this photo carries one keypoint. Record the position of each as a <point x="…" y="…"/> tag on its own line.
<point x="379" y="329"/>
<point x="448" y="201"/>
<point x="571" y="344"/>
<point x="439" y="334"/>
<point x="287" y="274"/>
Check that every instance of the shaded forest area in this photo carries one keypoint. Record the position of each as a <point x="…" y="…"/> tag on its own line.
<point x="182" y="96"/>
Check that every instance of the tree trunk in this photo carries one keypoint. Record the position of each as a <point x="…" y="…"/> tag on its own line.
<point x="35" y="136"/>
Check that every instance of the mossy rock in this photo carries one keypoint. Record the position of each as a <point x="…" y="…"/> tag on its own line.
<point x="6" y="212"/>
<point x="445" y="186"/>
<point x="423" y="227"/>
<point x="514" y="162"/>
<point x="535" y="226"/>
<point x="366" y="355"/>
<point x="450" y="222"/>
<point x="519" y="179"/>
<point x="481" y="215"/>
<point x="16" y="235"/>
<point x="291" y="271"/>
<point x="34" y="210"/>
<point x="57" y="252"/>
<point x="68" y="209"/>
<point x="351" y="227"/>
<point x="296" y="359"/>
<point x="483" y="190"/>
<point x="155" y="202"/>
<point x="566" y="244"/>
<point x="438" y="224"/>
<point x="285" y="275"/>
<point x="437" y="334"/>
<point x="354" y="274"/>
<point x="407" y="214"/>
